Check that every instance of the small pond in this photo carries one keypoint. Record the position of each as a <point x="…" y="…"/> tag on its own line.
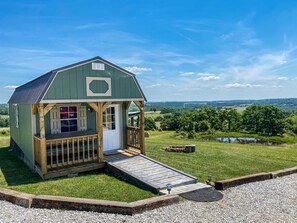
<point x="245" y="140"/>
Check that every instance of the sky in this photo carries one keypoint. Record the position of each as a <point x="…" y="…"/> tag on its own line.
<point x="179" y="50"/>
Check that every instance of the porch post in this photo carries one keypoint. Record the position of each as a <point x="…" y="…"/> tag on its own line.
<point x="140" y="105"/>
<point x="42" y="139"/>
<point x="142" y="146"/>
<point x="100" y="132"/>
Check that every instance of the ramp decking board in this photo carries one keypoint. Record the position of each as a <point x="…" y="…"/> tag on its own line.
<point x="146" y="171"/>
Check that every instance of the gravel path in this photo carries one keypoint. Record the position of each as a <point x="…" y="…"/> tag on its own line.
<point x="267" y="201"/>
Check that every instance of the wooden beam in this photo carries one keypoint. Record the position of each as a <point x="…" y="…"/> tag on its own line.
<point x="100" y="132"/>
<point x="42" y="139"/>
<point x="94" y="106"/>
<point x="141" y="132"/>
<point x="105" y="106"/>
<point x="139" y="104"/>
<point x="34" y="109"/>
<point x="48" y="108"/>
<point x="128" y="103"/>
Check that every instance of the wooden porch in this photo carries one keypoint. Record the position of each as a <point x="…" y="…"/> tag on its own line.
<point x="65" y="153"/>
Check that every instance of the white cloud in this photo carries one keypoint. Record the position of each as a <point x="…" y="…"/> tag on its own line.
<point x="209" y="78"/>
<point x="205" y="74"/>
<point x="158" y="85"/>
<point x="11" y="87"/>
<point x="277" y="86"/>
<point x="187" y="74"/>
<point x="238" y="85"/>
<point x="138" y="70"/>
<point x="282" y="78"/>
<point x="92" y="25"/>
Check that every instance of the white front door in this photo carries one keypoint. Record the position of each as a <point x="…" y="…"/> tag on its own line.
<point x="111" y="128"/>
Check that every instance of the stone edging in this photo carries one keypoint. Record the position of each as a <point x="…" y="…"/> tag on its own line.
<point x="81" y="204"/>
<point x="224" y="184"/>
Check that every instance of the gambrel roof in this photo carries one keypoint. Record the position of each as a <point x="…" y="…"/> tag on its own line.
<point x="34" y="91"/>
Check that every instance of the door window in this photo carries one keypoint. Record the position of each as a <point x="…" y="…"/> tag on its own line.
<point x="109" y="119"/>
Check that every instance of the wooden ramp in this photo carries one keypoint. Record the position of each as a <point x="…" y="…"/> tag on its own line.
<point x="145" y="172"/>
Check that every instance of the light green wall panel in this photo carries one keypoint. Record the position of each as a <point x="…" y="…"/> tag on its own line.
<point x="23" y="134"/>
<point x="71" y="84"/>
<point x="47" y="123"/>
<point x="91" y="120"/>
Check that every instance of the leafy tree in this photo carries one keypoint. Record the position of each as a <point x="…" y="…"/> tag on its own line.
<point x="267" y="120"/>
<point x="166" y="110"/>
<point x="273" y="122"/>
<point x="158" y="119"/>
<point x="186" y="122"/>
<point x="191" y="134"/>
<point x="230" y="119"/>
<point x="4" y="122"/>
<point x="149" y="123"/>
<point x="3" y="109"/>
<point x="292" y="122"/>
<point x="252" y="116"/>
<point x="170" y="122"/>
<point x="208" y="114"/>
<point x="201" y="126"/>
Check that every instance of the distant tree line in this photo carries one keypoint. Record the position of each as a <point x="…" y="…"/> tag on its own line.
<point x="259" y="119"/>
<point x="286" y="104"/>
<point x="3" y="109"/>
<point x="4" y="122"/>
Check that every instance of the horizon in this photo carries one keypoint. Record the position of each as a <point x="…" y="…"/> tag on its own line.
<point x="226" y="100"/>
<point x="182" y="51"/>
<point x="210" y="100"/>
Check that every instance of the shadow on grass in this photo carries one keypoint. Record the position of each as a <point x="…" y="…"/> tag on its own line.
<point x="14" y="170"/>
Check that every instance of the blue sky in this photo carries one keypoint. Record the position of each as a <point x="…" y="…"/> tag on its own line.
<point x="180" y="50"/>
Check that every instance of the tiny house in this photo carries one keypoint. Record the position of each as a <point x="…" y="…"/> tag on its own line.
<point x="66" y="120"/>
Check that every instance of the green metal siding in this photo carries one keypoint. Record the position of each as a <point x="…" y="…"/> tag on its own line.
<point x="47" y="123"/>
<point x="91" y="120"/>
<point x="23" y="134"/>
<point x="71" y="84"/>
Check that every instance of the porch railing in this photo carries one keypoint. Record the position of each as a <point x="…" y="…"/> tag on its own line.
<point x="68" y="151"/>
<point x="133" y="137"/>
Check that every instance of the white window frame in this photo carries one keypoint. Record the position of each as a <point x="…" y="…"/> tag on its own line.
<point x="69" y="119"/>
<point x="81" y="118"/>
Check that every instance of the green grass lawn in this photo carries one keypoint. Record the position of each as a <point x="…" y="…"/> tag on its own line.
<point x="14" y="174"/>
<point x="221" y="160"/>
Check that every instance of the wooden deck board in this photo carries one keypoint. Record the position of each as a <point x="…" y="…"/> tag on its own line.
<point x="147" y="171"/>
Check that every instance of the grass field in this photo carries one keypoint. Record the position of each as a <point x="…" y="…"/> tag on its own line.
<point x="14" y="174"/>
<point x="221" y="160"/>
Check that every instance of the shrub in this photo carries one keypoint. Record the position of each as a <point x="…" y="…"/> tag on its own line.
<point x="202" y="126"/>
<point x="191" y="135"/>
<point x="149" y="123"/>
<point x="158" y="119"/>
